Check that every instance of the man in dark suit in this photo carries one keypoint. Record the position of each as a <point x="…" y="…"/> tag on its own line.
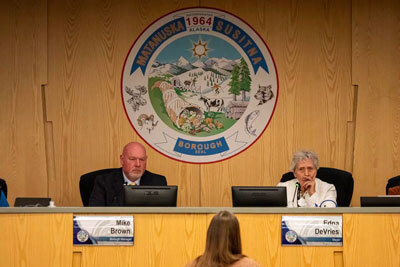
<point x="108" y="188"/>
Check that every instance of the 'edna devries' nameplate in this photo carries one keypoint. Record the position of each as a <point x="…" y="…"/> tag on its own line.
<point x="103" y="230"/>
<point x="312" y="231"/>
<point x="199" y="85"/>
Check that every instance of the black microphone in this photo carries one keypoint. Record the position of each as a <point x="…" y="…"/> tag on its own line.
<point x="296" y="191"/>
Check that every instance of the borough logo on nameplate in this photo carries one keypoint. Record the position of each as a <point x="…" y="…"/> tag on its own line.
<point x="199" y="85"/>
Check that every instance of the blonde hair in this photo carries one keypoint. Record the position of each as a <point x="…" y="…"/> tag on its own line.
<point x="223" y="244"/>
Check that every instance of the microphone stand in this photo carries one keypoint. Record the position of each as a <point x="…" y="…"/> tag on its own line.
<point x="296" y="193"/>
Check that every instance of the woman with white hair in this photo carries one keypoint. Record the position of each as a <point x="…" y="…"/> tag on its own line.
<point x="306" y="190"/>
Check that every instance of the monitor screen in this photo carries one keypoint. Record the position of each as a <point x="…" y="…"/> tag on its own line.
<point x="380" y="201"/>
<point x="259" y="196"/>
<point x="32" y="202"/>
<point x="150" y="196"/>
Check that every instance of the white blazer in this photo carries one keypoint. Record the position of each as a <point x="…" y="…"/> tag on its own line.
<point x="324" y="196"/>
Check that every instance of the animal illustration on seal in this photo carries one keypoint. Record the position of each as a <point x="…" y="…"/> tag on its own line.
<point x="264" y="94"/>
<point x="249" y="120"/>
<point x="147" y="121"/>
<point x="212" y="103"/>
<point x="136" y="100"/>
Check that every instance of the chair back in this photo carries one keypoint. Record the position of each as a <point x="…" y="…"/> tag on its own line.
<point x="3" y="186"/>
<point x="86" y="184"/>
<point x="393" y="186"/>
<point x="342" y="180"/>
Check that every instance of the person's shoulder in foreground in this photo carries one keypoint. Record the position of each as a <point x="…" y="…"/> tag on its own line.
<point x="246" y="262"/>
<point x="243" y="262"/>
<point x="223" y="244"/>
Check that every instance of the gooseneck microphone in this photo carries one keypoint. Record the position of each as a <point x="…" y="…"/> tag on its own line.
<point x="296" y="192"/>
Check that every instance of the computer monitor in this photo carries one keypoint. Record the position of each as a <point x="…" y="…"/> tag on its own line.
<point x="259" y="196"/>
<point x="32" y="202"/>
<point x="150" y="196"/>
<point x="380" y="201"/>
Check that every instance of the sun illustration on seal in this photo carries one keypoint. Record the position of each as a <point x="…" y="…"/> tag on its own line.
<point x="200" y="49"/>
<point x="199" y="85"/>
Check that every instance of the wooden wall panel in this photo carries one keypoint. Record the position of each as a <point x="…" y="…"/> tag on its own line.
<point x="159" y="239"/>
<point x="267" y="248"/>
<point x="36" y="240"/>
<point x="371" y="239"/>
<point x="22" y="71"/>
<point x="311" y="44"/>
<point x="88" y="43"/>
<point x="376" y="71"/>
<point x="320" y="48"/>
<point x="176" y="239"/>
<point x="262" y="228"/>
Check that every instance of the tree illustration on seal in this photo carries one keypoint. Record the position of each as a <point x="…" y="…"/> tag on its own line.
<point x="234" y="84"/>
<point x="240" y="80"/>
<point x="244" y="79"/>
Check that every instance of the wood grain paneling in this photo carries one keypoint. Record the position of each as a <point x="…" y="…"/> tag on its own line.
<point x="261" y="227"/>
<point x="88" y="43"/>
<point x="371" y="239"/>
<point x="310" y="42"/>
<point x="261" y="238"/>
<point x="22" y="71"/>
<point x="175" y="239"/>
<point x="160" y="240"/>
<point x="76" y="50"/>
<point x="36" y="240"/>
<point x="376" y="71"/>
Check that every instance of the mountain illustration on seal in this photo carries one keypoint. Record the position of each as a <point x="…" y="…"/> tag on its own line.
<point x="217" y="65"/>
<point x="197" y="94"/>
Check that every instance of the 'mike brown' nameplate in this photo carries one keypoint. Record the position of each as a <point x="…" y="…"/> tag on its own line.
<point x="103" y="230"/>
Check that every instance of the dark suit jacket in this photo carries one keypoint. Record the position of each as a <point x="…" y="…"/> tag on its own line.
<point x="109" y="188"/>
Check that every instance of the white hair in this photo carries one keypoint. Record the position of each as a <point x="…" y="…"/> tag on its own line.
<point x="303" y="155"/>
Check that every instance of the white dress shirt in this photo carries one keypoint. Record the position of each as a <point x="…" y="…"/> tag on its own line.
<point x="129" y="182"/>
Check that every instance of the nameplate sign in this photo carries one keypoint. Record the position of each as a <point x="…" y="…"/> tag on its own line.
<point x="312" y="231"/>
<point x="103" y="230"/>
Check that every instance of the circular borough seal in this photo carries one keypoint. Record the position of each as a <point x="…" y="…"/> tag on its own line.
<point x="82" y="236"/>
<point x="291" y="236"/>
<point x="199" y="85"/>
